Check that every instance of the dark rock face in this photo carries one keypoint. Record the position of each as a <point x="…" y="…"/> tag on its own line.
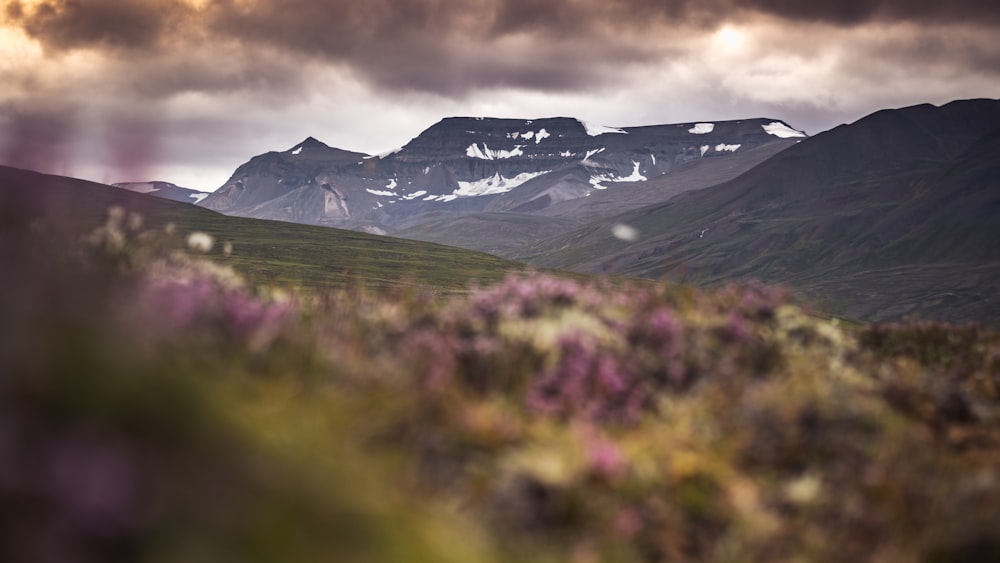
<point x="465" y="165"/>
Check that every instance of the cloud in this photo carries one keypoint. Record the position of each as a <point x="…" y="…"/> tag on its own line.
<point x="38" y="138"/>
<point x="447" y="47"/>
<point x="856" y="12"/>
<point x="68" y="24"/>
<point x="223" y="79"/>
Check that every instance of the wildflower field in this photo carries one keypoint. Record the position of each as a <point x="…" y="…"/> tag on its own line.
<point x="157" y="406"/>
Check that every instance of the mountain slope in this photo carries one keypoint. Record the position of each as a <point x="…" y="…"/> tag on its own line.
<point x="164" y="190"/>
<point x="894" y="214"/>
<point x="265" y="251"/>
<point x="507" y="231"/>
<point x="461" y="166"/>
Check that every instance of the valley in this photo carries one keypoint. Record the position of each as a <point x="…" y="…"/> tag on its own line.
<point x="903" y="190"/>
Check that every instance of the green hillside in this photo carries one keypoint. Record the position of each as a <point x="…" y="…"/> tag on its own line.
<point x="266" y="252"/>
<point x="890" y="217"/>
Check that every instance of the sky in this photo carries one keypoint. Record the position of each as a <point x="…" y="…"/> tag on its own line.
<point x="187" y="90"/>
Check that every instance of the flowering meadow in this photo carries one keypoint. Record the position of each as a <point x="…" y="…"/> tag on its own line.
<point x="155" y="406"/>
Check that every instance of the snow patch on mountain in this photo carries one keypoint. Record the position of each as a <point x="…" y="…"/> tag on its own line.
<point x="486" y="153"/>
<point x="139" y="187"/>
<point x="724" y="147"/>
<point x="592" y="153"/>
<point x="595" y="130"/>
<point x="446" y="197"/>
<point x="381" y="192"/>
<point x="387" y="153"/>
<point x="598" y="180"/>
<point x="198" y="197"/>
<point x="495" y="184"/>
<point x="529" y="135"/>
<point x="635" y="176"/>
<point x="415" y="195"/>
<point x="704" y="149"/>
<point x="702" y="128"/>
<point x="298" y="150"/>
<point x="779" y="129"/>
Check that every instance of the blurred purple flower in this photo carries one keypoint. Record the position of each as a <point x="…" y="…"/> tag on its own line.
<point x="605" y="459"/>
<point x="172" y="308"/>
<point x="628" y="523"/>
<point x="95" y="484"/>
<point x="586" y="380"/>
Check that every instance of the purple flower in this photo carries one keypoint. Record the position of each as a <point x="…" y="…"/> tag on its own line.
<point x="94" y="483"/>
<point x="587" y="380"/>
<point x="628" y="523"/>
<point x="605" y="459"/>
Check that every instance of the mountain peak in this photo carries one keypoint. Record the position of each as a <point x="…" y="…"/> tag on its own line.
<point x="457" y="160"/>
<point x="316" y="149"/>
<point x="310" y="143"/>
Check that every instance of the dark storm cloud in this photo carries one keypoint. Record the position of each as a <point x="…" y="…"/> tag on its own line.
<point x="346" y="27"/>
<point x="448" y="47"/>
<point x="443" y="46"/>
<point x="68" y="24"/>
<point x="854" y="12"/>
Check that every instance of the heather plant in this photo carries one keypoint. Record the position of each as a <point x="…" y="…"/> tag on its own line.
<point x="157" y="407"/>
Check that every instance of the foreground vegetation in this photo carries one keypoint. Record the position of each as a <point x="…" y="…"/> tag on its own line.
<point x="155" y="407"/>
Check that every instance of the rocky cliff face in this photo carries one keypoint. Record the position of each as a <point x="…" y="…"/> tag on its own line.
<point x="467" y="165"/>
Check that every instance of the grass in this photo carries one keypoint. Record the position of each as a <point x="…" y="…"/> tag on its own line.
<point x="154" y="407"/>
<point x="265" y="252"/>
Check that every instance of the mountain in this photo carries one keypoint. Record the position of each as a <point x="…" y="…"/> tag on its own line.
<point x="36" y="209"/>
<point x="165" y="190"/>
<point x="504" y="232"/>
<point x="463" y="166"/>
<point x="893" y="215"/>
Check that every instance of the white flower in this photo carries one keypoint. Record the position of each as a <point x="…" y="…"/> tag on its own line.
<point x="200" y="242"/>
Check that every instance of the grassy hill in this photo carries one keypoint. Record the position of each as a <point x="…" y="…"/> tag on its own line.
<point x="166" y="414"/>
<point x="894" y="215"/>
<point x="161" y="412"/>
<point x="266" y="252"/>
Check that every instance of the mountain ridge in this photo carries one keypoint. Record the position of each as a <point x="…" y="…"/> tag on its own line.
<point x="463" y="164"/>
<point x="165" y="190"/>
<point x="910" y="190"/>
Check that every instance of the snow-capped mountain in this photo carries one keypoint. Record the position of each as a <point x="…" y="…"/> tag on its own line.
<point x="469" y="165"/>
<point x="892" y="215"/>
<point x="164" y="190"/>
